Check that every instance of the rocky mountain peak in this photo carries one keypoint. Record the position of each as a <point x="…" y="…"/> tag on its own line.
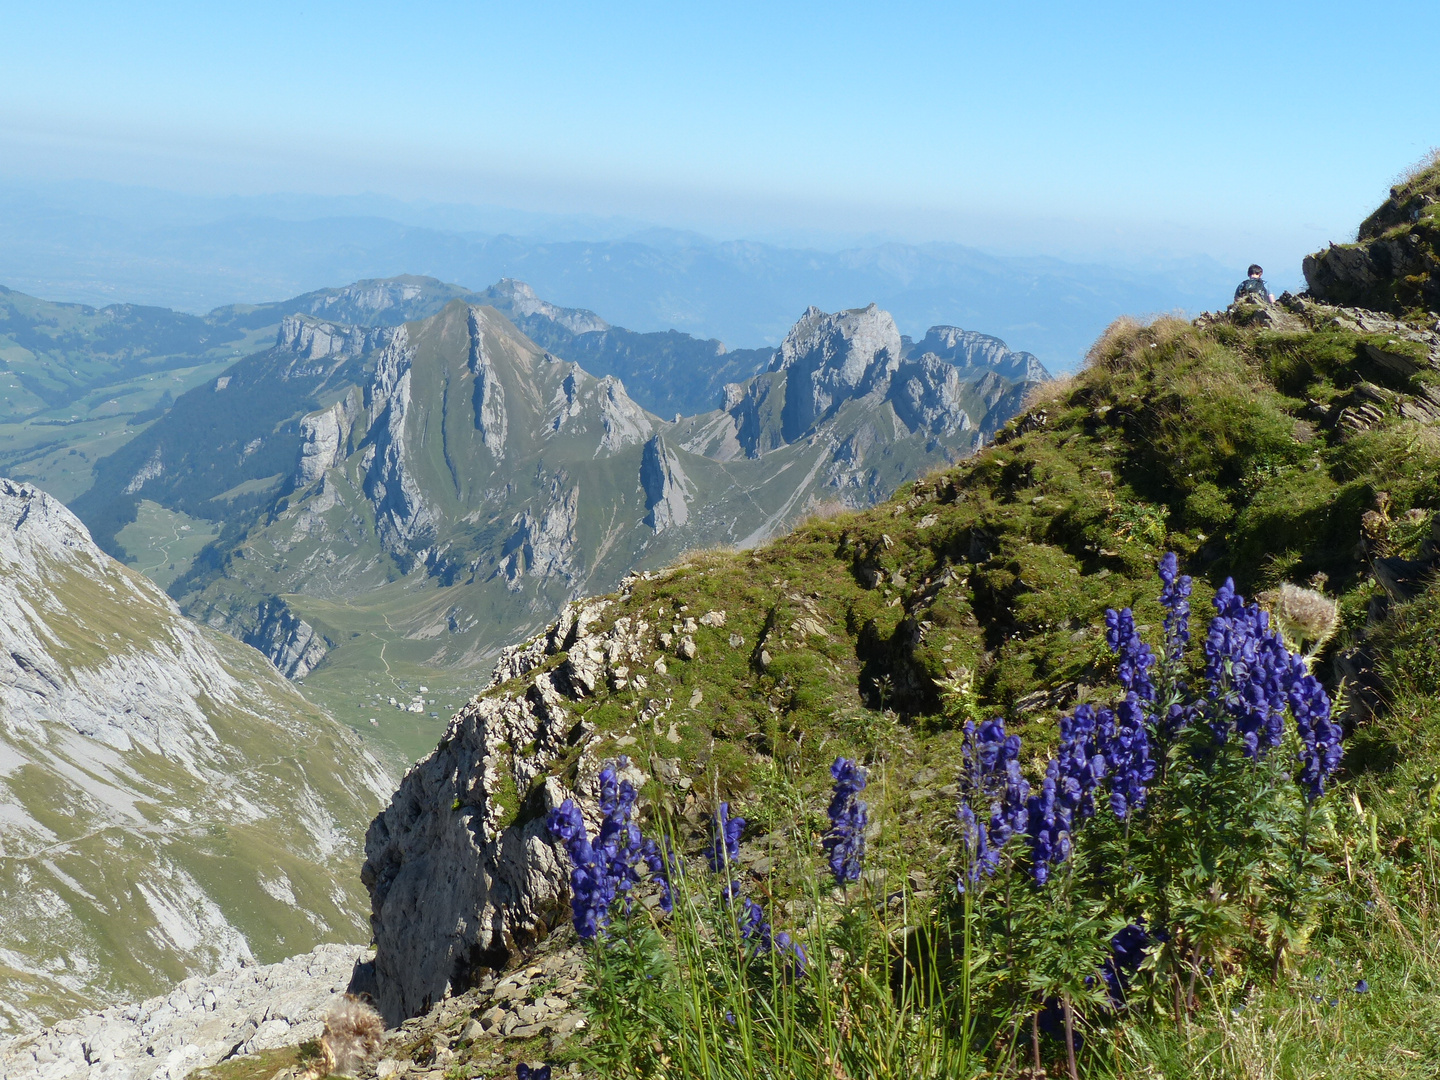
<point x="518" y="299"/>
<point x="846" y="343"/>
<point x="969" y="348"/>
<point x="830" y="357"/>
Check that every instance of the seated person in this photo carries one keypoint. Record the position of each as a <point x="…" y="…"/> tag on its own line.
<point x="1253" y="287"/>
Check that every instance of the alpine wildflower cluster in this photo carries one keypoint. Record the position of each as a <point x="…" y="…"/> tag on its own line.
<point x="1255" y="678"/>
<point x="844" y="843"/>
<point x="605" y="868"/>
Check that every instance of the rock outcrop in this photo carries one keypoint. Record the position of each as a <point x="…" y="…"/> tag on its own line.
<point x="971" y="349"/>
<point x="326" y="436"/>
<point x="827" y="359"/>
<point x="403" y="521"/>
<point x="201" y="1022"/>
<point x="1394" y="265"/>
<point x="518" y="299"/>
<point x="667" y="488"/>
<point x="288" y="641"/>
<point x="310" y="341"/>
<point x="488" y="396"/>
<point x="926" y="395"/>
<point x="461" y="870"/>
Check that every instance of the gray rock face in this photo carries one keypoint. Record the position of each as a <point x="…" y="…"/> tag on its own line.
<point x="950" y="384"/>
<point x="971" y="349"/>
<point x="521" y="298"/>
<point x="312" y="341"/>
<point x="925" y="394"/>
<point x="543" y="547"/>
<point x="200" y="1023"/>
<point x="403" y="521"/>
<point x="288" y="641"/>
<point x="142" y="697"/>
<point x="380" y="301"/>
<point x="130" y="739"/>
<point x="489" y="395"/>
<point x="460" y="867"/>
<point x="667" y="488"/>
<point x="828" y="358"/>
<point x="625" y="423"/>
<point x="325" y="437"/>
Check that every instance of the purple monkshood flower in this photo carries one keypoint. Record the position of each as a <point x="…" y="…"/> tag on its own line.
<point x="1048" y="825"/>
<point x="845" y="841"/>
<point x="1247" y="666"/>
<point x="603" y="869"/>
<point x="663" y="865"/>
<point x="1175" y="598"/>
<point x="725" y="845"/>
<point x="1081" y="757"/>
<point x="591" y="891"/>
<point x="1126" y="745"/>
<point x="756" y="929"/>
<point x="525" y="1072"/>
<point x="1254" y="678"/>
<point x="1320" y="736"/>
<point x="1136" y="658"/>
<point x="1127" y="951"/>
<point x="993" y="795"/>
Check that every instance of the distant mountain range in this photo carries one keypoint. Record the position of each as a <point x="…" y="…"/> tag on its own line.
<point x="418" y="472"/>
<point x="743" y="293"/>
<point x="468" y="481"/>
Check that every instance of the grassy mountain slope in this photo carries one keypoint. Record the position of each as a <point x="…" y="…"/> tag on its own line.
<point x="78" y="383"/>
<point x="170" y="803"/>
<point x="1210" y="440"/>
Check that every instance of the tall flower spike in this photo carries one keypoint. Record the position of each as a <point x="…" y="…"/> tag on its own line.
<point x="1127" y="757"/>
<point x="1067" y="795"/>
<point x="844" y="843"/>
<point x="1249" y="671"/>
<point x="725" y="845"/>
<point x="604" y="868"/>
<point x="992" y="795"/>
<point x="1081" y="757"/>
<point x="591" y="890"/>
<point x="1048" y="824"/>
<point x="1175" y="598"/>
<point x="1320" y="736"/>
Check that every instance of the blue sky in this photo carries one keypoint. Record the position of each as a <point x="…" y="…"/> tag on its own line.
<point x="1115" y="128"/>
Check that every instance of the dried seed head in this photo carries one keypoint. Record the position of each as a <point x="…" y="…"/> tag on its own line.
<point x="1306" y="617"/>
<point x="353" y="1031"/>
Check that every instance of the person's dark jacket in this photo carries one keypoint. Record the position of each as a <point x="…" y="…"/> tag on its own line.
<point x="1253" y="286"/>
